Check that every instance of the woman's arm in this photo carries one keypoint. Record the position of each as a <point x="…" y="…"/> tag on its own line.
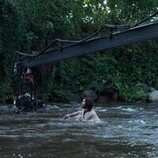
<point x="68" y="116"/>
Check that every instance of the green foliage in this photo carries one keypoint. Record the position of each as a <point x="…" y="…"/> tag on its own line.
<point x="8" y="44"/>
<point x="30" y="25"/>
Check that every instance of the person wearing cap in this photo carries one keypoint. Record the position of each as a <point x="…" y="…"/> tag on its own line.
<point x="87" y="113"/>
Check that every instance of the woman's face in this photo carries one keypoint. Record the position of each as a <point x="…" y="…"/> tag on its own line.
<point x="83" y="103"/>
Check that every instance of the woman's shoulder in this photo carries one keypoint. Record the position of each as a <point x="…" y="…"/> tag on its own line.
<point x="93" y="111"/>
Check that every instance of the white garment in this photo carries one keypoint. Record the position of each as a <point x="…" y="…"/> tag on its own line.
<point x="90" y="116"/>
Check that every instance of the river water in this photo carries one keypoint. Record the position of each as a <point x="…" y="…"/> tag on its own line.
<point x="126" y="131"/>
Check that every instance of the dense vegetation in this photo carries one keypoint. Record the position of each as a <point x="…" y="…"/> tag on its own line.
<point x="30" y="25"/>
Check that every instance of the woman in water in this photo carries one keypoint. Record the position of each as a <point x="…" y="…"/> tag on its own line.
<point x="87" y="113"/>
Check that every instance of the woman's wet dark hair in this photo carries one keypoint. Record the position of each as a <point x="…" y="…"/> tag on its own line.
<point x="89" y="103"/>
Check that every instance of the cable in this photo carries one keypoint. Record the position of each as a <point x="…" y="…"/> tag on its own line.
<point x="111" y="27"/>
<point x="140" y="22"/>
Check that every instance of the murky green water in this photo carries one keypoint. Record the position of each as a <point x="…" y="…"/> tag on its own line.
<point x="126" y="131"/>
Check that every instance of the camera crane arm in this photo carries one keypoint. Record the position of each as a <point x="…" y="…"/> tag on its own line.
<point x="89" y="46"/>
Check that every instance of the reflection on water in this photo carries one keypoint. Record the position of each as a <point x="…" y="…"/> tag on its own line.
<point x="126" y="131"/>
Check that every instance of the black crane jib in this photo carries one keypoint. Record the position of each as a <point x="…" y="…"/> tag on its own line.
<point x="91" y="45"/>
